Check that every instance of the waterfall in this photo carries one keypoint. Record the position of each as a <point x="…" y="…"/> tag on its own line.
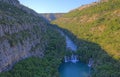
<point x="72" y="58"/>
<point x="66" y="59"/>
<point x="70" y="45"/>
<point x="90" y="62"/>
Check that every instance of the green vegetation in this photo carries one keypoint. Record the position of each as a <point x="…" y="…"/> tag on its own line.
<point x="16" y="16"/>
<point x="15" y="38"/>
<point x="42" y="67"/>
<point x="21" y="27"/>
<point x="96" y="30"/>
<point x="51" y="16"/>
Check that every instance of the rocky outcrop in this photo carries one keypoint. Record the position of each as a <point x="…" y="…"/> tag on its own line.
<point x="22" y="34"/>
<point x="88" y="5"/>
<point x="103" y="0"/>
<point x="17" y="44"/>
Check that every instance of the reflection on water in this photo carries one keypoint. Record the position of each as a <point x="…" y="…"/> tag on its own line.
<point x="70" y="69"/>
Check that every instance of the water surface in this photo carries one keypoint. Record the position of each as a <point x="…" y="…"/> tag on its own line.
<point x="69" y="43"/>
<point x="70" y="69"/>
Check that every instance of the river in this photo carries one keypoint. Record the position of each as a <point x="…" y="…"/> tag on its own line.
<point x="69" y="43"/>
<point x="69" y="69"/>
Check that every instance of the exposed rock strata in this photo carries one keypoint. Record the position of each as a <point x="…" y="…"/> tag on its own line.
<point x="21" y="33"/>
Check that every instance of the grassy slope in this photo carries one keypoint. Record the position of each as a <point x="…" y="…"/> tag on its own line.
<point x="100" y="25"/>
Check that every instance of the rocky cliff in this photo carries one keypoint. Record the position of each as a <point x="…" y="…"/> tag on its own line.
<point x="22" y="33"/>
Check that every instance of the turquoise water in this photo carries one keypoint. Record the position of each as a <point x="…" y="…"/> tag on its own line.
<point x="70" y="69"/>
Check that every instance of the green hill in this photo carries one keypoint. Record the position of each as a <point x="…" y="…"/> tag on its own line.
<point x="26" y="36"/>
<point x="98" y="23"/>
<point x="51" y="16"/>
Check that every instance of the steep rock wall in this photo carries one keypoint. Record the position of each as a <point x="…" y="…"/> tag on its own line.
<point x="22" y="33"/>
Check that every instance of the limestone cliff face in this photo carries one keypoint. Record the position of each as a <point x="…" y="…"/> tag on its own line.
<point x="19" y="43"/>
<point x="22" y="33"/>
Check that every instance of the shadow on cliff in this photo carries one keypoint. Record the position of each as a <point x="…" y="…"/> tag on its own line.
<point x="102" y="60"/>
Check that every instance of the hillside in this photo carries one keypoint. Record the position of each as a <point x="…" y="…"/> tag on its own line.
<point x="51" y="16"/>
<point x="24" y="34"/>
<point x="96" y="29"/>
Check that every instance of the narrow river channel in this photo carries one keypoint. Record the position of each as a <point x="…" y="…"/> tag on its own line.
<point x="73" y="69"/>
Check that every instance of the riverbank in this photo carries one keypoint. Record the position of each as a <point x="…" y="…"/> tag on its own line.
<point x="72" y="66"/>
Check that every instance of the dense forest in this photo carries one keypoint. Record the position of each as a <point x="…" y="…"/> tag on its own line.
<point x="29" y="46"/>
<point x="96" y="30"/>
<point x="42" y="67"/>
